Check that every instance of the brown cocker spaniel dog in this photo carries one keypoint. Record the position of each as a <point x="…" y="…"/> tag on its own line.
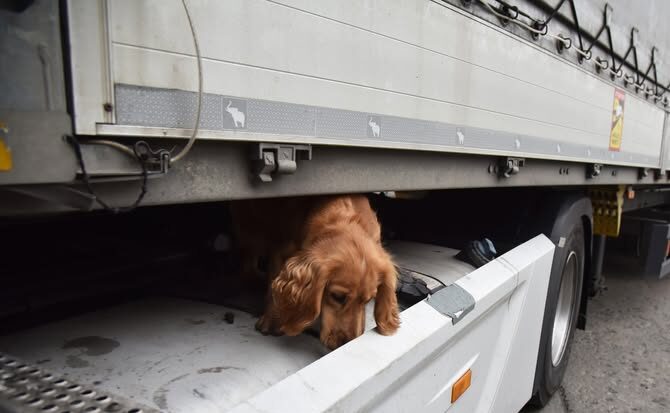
<point x="325" y="262"/>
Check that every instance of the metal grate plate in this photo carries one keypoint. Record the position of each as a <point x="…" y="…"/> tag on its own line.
<point x="27" y="388"/>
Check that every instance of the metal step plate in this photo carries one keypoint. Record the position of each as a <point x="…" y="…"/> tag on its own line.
<point x="27" y="388"/>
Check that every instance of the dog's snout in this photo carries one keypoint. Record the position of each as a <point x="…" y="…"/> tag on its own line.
<point x="347" y="337"/>
<point x="341" y="338"/>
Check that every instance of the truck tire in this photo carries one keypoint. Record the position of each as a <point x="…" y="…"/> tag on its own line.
<point x="561" y="314"/>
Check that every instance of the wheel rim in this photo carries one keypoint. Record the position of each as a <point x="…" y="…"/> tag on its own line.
<point x="564" y="316"/>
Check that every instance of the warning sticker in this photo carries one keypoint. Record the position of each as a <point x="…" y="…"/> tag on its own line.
<point x="616" y="130"/>
<point x="5" y="150"/>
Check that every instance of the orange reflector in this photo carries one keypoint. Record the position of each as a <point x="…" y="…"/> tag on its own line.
<point x="461" y="385"/>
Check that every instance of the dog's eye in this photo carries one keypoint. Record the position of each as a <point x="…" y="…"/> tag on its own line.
<point x="339" y="297"/>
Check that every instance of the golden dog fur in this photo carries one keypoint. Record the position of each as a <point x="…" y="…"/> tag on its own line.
<point x="325" y="261"/>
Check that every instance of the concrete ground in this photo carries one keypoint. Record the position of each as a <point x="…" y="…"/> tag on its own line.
<point x="621" y="363"/>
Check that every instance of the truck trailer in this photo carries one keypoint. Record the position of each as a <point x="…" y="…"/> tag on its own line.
<point x="533" y="129"/>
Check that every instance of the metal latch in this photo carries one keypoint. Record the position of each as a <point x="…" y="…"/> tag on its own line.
<point x="278" y="158"/>
<point x="593" y="170"/>
<point x="510" y="166"/>
<point x="642" y="173"/>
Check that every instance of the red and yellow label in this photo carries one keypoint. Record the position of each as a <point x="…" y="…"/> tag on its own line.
<point x="5" y="151"/>
<point x="616" y="131"/>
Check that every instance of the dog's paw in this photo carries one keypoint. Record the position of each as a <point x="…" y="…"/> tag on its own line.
<point x="387" y="322"/>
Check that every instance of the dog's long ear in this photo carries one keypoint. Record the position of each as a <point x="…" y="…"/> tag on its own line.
<point x="386" y="303"/>
<point x="297" y="292"/>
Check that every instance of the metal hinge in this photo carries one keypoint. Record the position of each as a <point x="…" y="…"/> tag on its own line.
<point x="278" y="159"/>
<point x="510" y="166"/>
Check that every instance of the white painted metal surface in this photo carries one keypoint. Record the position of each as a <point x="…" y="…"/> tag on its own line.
<point x="436" y="261"/>
<point x="665" y="151"/>
<point x="414" y="369"/>
<point x="515" y="384"/>
<point x="180" y="356"/>
<point x="422" y="61"/>
<point x="90" y="64"/>
<point x="175" y="355"/>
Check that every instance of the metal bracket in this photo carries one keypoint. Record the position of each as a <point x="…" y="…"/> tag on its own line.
<point x="593" y="170"/>
<point x="453" y="301"/>
<point x="642" y="173"/>
<point x="607" y="209"/>
<point x="159" y="159"/>
<point x="274" y="158"/>
<point x="511" y="11"/>
<point x="104" y="162"/>
<point x="510" y="166"/>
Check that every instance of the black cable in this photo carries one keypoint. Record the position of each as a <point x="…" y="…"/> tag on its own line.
<point x="407" y="271"/>
<point x="115" y="210"/>
<point x="631" y="48"/>
<point x="652" y="66"/>
<point x="553" y="12"/>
